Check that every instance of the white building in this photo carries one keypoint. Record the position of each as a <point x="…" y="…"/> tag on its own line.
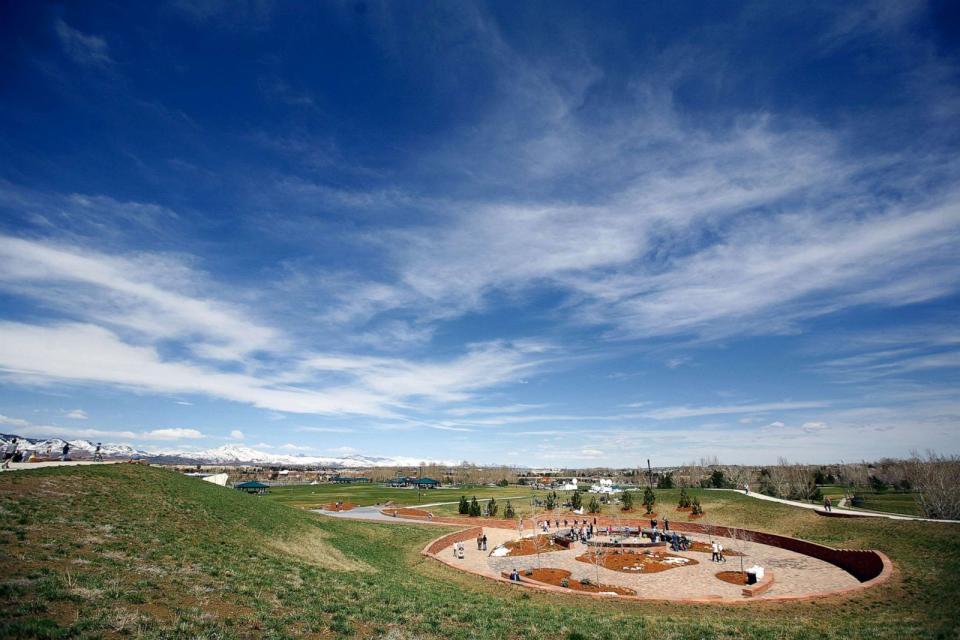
<point x="604" y="486"/>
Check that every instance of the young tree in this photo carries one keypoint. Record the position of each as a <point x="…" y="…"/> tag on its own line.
<point x="627" y="499"/>
<point x="684" y="499"/>
<point x="717" y="479"/>
<point x="503" y="483"/>
<point x="508" y="511"/>
<point x="696" y="509"/>
<point x="551" y="503"/>
<point x="594" y="506"/>
<point x="464" y="508"/>
<point x="665" y="481"/>
<point x="492" y="508"/>
<point x="576" y="500"/>
<point x="649" y="499"/>
<point x="474" y="508"/>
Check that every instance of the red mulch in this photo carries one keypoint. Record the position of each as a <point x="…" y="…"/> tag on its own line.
<point x="704" y="547"/>
<point x="733" y="577"/>
<point x="554" y="576"/>
<point x="528" y="547"/>
<point x="695" y="517"/>
<point x="642" y="562"/>
<point x="683" y="508"/>
<point x="407" y="512"/>
<point x="343" y="506"/>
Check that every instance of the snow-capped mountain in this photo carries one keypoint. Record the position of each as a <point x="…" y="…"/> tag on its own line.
<point x="234" y="454"/>
<point x="227" y="454"/>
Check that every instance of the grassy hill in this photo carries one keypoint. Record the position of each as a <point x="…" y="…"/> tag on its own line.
<point x="131" y="551"/>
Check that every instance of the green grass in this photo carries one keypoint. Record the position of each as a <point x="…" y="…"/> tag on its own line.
<point x="315" y="496"/>
<point x="889" y="502"/>
<point x="131" y="551"/>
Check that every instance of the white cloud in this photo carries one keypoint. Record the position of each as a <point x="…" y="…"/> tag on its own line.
<point x="670" y="413"/>
<point x="295" y="447"/>
<point x="812" y="427"/>
<point x="76" y="414"/>
<point x="776" y="425"/>
<point x="84" y="49"/>
<point x="173" y="434"/>
<point x="14" y="422"/>
<point x="237" y="434"/>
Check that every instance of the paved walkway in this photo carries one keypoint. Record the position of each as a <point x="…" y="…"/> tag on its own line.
<point x="795" y="574"/>
<point x="849" y="512"/>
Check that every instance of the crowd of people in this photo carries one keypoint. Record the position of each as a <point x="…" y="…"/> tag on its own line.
<point x="17" y="450"/>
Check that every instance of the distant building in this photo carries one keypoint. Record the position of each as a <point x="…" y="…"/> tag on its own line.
<point x="412" y="481"/>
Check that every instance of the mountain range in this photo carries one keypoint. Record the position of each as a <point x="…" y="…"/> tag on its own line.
<point x="226" y="454"/>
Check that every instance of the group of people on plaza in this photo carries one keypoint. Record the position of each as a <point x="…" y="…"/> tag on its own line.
<point x="482" y="542"/>
<point x="716" y="550"/>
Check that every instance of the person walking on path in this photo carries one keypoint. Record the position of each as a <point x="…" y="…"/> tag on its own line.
<point x="98" y="454"/>
<point x="484" y="542"/>
<point x="9" y="450"/>
<point x="715" y="552"/>
<point x="65" y="452"/>
<point x="827" y="504"/>
<point x="479" y="541"/>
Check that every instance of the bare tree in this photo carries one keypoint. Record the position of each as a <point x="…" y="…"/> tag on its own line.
<point x="937" y="481"/>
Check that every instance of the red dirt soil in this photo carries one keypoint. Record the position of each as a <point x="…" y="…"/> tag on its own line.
<point x="733" y="577"/>
<point x="343" y="506"/>
<point x="704" y="547"/>
<point x="406" y="512"/>
<point x="695" y="517"/>
<point x="643" y="562"/>
<point x="527" y="546"/>
<point x="554" y="576"/>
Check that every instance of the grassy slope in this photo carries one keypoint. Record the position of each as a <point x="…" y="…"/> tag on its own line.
<point x="314" y="496"/>
<point x="100" y="551"/>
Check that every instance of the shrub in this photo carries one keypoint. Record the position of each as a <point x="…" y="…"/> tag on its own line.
<point x="503" y="483"/>
<point x="564" y="582"/>
<point x="665" y="481"/>
<point x="594" y="506"/>
<point x="717" y="480"/>
<point x="474" y="508"/>
<point x="492" y="508"/>
<point x="551" y="501"/>
<point x="576" y="501"/>
<point x="464" y="508"/>
<point x="649" y="499"/>
<point x="684" y="499"/>
<point x="627" y="500"/>
<point x="508" y="511"/>
<point x="696" y="509"/>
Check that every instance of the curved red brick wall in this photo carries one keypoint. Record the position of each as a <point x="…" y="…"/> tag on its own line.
<point x="458" y="536"/>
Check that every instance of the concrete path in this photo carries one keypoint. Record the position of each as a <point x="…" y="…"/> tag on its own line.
<point x="22" y="466"/>
<point x="372" y="512"/>
<point x="849" y="512"/>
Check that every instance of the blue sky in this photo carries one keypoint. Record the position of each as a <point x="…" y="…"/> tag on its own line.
<point x="530" y="233"/>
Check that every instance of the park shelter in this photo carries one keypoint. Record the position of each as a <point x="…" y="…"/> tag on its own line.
<point x="252" y="487"/>
<point x="348" y="479"/>
<point x="426" y="483"/>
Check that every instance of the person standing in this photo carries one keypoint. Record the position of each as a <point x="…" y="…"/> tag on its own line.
<point x="827" y="504"/>
<point x="65" y="452"/>
<point x="98" y="454"/>
<point x="9" y="450"/>
<point x="666" y="525"/>
<point x="714" y="552"/>
<point x="484" y="542"/>
<point x="479" y="541"/>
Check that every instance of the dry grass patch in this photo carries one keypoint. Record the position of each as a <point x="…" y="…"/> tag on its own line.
<point x="310" y="546"/>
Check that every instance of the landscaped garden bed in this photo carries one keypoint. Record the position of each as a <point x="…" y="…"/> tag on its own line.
<point x="528" y="546"/>
<point x="634" y="562"/>
<point x="561" y="578"/>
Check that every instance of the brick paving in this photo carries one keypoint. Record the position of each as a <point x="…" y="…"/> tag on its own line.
<point x="795" y="574"/>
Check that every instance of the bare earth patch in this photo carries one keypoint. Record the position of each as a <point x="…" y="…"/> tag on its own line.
<point x="339" y="506"/>
<point x="733" y="577"/>
<point x="556" y="577"/>
<point x="529" y="546"/>
<point x="633" y="562"/>
<point x="703" y="547"/>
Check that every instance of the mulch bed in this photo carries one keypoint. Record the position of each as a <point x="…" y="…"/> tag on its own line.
<point x="704" y="547"/>
<point x="638" y="562"/>
<point x="528" y="546"/>
<point x="406" y="512"/>
<point x="733" y="577"/>
<point x="695" y="516"/>
<point x="555" y="576"/>
<point x="343" y="506"/>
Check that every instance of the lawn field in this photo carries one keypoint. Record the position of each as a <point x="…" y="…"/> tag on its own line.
<point x="132" y="551"/>
<point x="315" y="496"/>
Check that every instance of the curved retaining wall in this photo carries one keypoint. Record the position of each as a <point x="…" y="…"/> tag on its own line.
<point x="862" y="565"/>
<point x="458" y="536"/>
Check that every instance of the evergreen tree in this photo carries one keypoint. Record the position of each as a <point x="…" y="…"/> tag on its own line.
<point x="627" y="500"/>
<point x="474" y="508"/>
<point x="649" y="499"/>
<point x="492" y="508"/>
<point x="684" y="499"/>
<point x="551" y="501"/>
<point x="665" y="481"/>
<point x="508" y="511"/>
<point x="697" y="510"/>
<point x="464" y="508"/>
<point x="576" y="501"/>
<point x="717" y="480"/>
<point x="594" y="506"/>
